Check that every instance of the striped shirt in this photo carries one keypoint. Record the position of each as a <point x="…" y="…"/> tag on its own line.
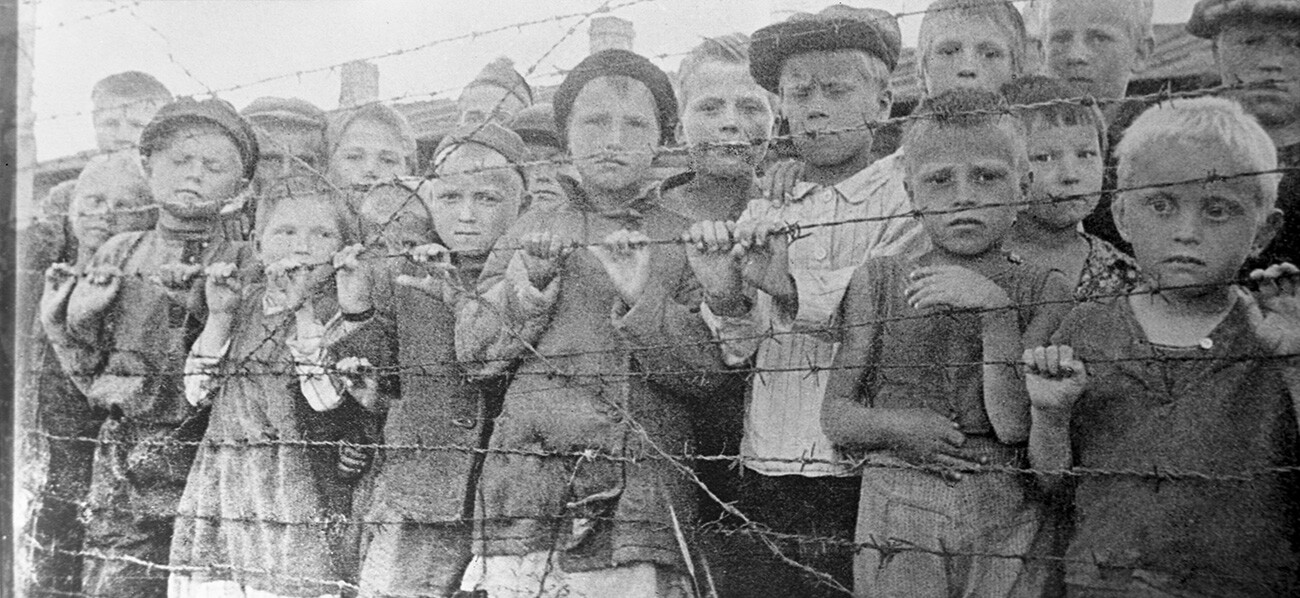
<point x="783" y="434"/>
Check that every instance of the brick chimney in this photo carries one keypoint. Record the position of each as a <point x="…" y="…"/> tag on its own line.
<point x="359" y="83"/>
<point x="611" y="32"/>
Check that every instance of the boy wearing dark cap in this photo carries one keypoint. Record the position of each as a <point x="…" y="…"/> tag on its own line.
<point x="291" y="135"/>
<point x="1257" y="43"/>
<point x="419" y="521"/>
<point x="831" y="71"/>
<point x="129" y="322"/>
<point x="600" y="323"/>
<point x="545" y="157"/>
<point x="495" y="95"/>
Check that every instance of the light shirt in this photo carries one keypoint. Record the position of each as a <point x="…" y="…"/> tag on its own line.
<point x="783" y="433"/>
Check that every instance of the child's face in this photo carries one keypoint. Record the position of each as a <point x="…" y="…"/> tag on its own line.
<point x="369" y="153"/>
<point x="292" y="156"/>
<point x="725" y="106"/>
<point x="1193" y="233"/>
<point x="969" y="176"/>
<point x="196" y="172"/>
<point x="302" y="228"/>
<point x="544" y="172"/>
<point x="397" y="217"/>
<point x="1065" y="160"/>
<point x="108" y="202"/>
<point x="613" y="133"/>
<point x="487" y="103"/>
<point x="1264" y="52"/>
<point x="829" y="91"/>
<point x="119" y="121"/>
<point x="967" y="51"/>
<point x="1090" y="44"/>
<point x="475" y="198"/>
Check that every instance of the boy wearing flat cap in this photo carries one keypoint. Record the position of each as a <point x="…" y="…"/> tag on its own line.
<point x="1257" y="43"/>
<point x="418" y="520"/>
<point x="126" y="331"/>
<point x="831" y="71"/>
<point x="602" y="324"/>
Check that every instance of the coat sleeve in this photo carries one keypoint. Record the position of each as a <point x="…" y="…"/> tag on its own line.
<point x="503" y="317"/>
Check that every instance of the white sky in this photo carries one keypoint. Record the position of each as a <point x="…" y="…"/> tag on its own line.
<point x="194" y="46"/>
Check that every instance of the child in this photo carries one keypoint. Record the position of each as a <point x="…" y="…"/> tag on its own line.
<point x="256" y="516"/>
<point x="546" y="163"/>
<point x="831" y="71"/>
<point x="291" y="135"/>
<point x="368" y="145"/>
<point x="395" y="218"/>
<point x="495" y="95"/>
<point x="595" y="316"/>
<point x="960" y="304"/>
<point x="129" y="323"/>
<point x="123" y="104"/>
<point x="1098" y="45"/>
<point x="419" y="522"/>
<point x="980" y="44"/>
<point x="1182" y="384"/>
<point x="1066" y="142"/>
<point x="111" y="197"/>
<point x="1257" y="44"/>
<point x="726" y="122"/>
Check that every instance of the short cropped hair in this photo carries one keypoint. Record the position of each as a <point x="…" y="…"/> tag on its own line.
<point x="133" y="85"/>
<point x="1041" y="101"/>
<point x="1139" y="16"/>
<point x="1205" y="121"/>
<point x="966" y="108"/>
<point x="999" y="12"/>
<point x="732" y="48"/>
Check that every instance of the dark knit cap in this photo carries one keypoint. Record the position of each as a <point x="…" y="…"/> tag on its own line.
<point x="536" y="125"/>
<point x="1209" y="16"/>
<point x="490" y="135"/>
<point x="293" y="110"/>
<point x="618" y="63"/>
<point x="189" y="112"/>
<point x="838" y="27"/>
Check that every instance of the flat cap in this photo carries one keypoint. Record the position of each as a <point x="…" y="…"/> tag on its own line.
<point x="1209" y="16"/>
<point x="490" y="135"/>
<point x="188" y="111"/>
<point x="837" y="27"/>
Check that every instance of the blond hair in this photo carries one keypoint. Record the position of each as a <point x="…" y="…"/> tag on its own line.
<point x="1204" y="122"/>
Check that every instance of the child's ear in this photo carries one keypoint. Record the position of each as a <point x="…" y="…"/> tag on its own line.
<point x="907" y="188"/>
<point x="1026" y="183"/>
<point x="1268" y="229"/>
<point x="1117" y="215"/>
<point x="886" y="103"/>
<point x="1145" y="47"/>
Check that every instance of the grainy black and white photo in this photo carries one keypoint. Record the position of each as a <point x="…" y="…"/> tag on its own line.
<point x="656" y="299"/>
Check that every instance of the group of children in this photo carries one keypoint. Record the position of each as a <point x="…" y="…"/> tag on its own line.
<point x="275" y="364"/>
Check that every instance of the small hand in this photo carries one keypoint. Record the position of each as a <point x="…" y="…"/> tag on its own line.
<point x="222" y="289"/>
<point x="763" y="249"/>
<point x="928" y="439"/>
<point x="625" y="255"/>
<point x="286" y="285"/>
<point x="354" y="459"/>
<point x="954" y="287"/>
<point x="1054" y="378"/>
<point x="59" y="282"/>
<point x="436" y="260"/>
<point x="1279" y="306"/>
<point x="359" y="380"/>
<point x="542" y="253"/>
<point x="352" y="280"/>
<point x="176" y="277"/>
<point x="779" y="181"/>
<point x="708" y="251"/>
<point x="95" y="293"/>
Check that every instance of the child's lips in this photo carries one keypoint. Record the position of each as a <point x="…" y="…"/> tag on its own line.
<point x="965" y="223"/>
<point x="1183" y="260"/>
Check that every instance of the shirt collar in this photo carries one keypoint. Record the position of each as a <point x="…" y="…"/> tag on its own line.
<point x="857" y="188"/>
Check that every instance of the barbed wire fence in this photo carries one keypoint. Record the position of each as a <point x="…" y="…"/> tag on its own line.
<point x="680" y="459"/>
